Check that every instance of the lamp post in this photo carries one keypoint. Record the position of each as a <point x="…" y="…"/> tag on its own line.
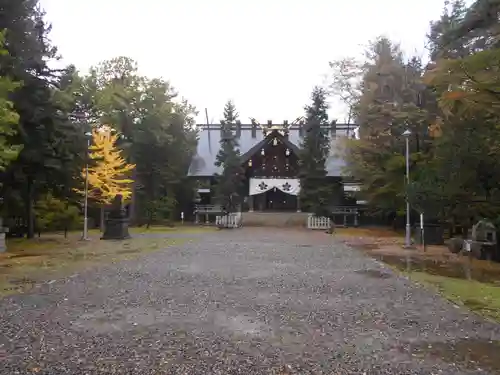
<point x="85" y="234"/>
<point x="407" y="134"/>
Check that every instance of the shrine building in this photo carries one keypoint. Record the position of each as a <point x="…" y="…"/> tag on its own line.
<point x="270" y="157"/>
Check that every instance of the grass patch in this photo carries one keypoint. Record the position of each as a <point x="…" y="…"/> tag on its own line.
<point x="482" y="298"/>
<point x="30" y="261"/>
<point x="378" y="232"/>
<point x="483" y="271"/>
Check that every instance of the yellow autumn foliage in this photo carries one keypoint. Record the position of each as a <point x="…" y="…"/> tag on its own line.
<point x="108" y="170"/>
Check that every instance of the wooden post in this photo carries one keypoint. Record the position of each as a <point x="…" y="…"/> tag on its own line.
<point x="345" y="221"/>
<point x="206" y="219"/>
<point x="250" y="203"/>
<point x="356" y="219"/>
<point x="422" y="232"/>
<point x="298" y="204"/>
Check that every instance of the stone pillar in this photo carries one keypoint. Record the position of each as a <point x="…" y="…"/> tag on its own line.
<point x="197" y="218"/>
<point x="250" y="203"/>
<point x="3" y="232"/>
<point x="206" y="219"/>
<point x="298" y="204"/>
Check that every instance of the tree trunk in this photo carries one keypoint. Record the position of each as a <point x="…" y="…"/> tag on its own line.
<point x="30" y="214"/>
<point x="149" y="219"/>
<point x="103" y="221"/>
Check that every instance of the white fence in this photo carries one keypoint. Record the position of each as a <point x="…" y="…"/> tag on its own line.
<point x="318" y="222"/>
<point x="208" y="208"/>
<point x="229" y="221"/>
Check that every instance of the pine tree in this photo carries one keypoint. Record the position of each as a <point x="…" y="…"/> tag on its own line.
<point x="8" y="116"/>
<point x="29" y="50"/>
<point x="229" y="183"/>
<point x="315" y="193"/>
<point x="108" y="176"/>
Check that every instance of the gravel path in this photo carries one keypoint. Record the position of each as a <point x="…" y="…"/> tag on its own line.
<point x="236" y="302"/>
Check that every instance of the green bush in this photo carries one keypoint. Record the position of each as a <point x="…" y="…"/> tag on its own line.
<point x="160" y="210"/>
<point x="53" y="214"/>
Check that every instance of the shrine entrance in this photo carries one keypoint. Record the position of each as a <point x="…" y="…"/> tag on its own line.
<point x="276" y="200"/>
<point x="269" y="194"/>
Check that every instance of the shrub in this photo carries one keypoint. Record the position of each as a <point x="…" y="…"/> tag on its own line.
<point x="53" y="214"/>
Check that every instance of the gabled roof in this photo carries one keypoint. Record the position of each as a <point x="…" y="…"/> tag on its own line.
<point x="274" y="134"/>
<point x="209" y="136"/>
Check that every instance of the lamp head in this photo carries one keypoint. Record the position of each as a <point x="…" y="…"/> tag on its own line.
<point x="406" y="133"/>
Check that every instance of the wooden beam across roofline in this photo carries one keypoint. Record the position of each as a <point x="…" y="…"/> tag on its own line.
<point x="283" y="127"/>
<point x="292" y="125"/>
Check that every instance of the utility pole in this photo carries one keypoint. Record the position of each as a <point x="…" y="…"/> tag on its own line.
<point x="85" y="234"/>
<point x="407" y="134"/>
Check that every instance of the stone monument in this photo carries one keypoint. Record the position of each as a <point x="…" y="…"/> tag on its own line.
<point x="116" y="227"/>
<point x="3" y="233"/>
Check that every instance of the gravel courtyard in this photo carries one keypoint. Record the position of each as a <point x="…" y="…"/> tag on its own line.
<point x="245" y="301"/>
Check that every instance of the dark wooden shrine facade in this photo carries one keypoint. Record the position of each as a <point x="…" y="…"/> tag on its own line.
<point x="274" y="157"/>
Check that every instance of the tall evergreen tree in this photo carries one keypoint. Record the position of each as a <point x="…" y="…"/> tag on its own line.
<point x="389" y="102"/>
<point x="8" y="116"/>
<point x="465" y="54"/>
<point x="315" y="194"/>
<point x="43" y="126"/>
<point x="229" y="183"/>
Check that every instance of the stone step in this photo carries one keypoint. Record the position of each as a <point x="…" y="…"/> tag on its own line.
<point x="274" y="219"/>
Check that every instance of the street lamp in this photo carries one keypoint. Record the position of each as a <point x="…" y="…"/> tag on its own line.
<point x="85" y="234"/>
<point x="407" y="134"/>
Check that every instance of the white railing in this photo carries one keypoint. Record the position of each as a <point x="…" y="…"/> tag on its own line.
<point x="318" y="222"/>
<point x="207" y="208"/>
<point x="343" y="210"/>
<point x="229" y="221"/>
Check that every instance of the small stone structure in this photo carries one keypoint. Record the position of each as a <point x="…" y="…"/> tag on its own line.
<point x="455" y="245"/>
<point x="3" y="233"/>
<point x="484" y="236"/>
<point x="117" y="222"/>
<point x="482" y="243"/>
<point x="484" y="231"/>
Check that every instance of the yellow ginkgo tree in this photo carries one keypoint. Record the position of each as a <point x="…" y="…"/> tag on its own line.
<point x="108" y="171"/>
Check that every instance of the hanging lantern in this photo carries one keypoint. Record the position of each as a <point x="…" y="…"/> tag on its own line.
<point x="287" y="152"/>
<point x="275" y="141"/>
<point x="262" y="152"/>
<point x="250" y="163"/>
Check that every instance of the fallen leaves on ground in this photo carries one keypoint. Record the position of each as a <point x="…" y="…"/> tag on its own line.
<point x="29" y="261"/>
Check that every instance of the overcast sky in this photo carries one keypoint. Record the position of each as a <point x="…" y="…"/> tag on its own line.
<point x="266" y="55"/>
